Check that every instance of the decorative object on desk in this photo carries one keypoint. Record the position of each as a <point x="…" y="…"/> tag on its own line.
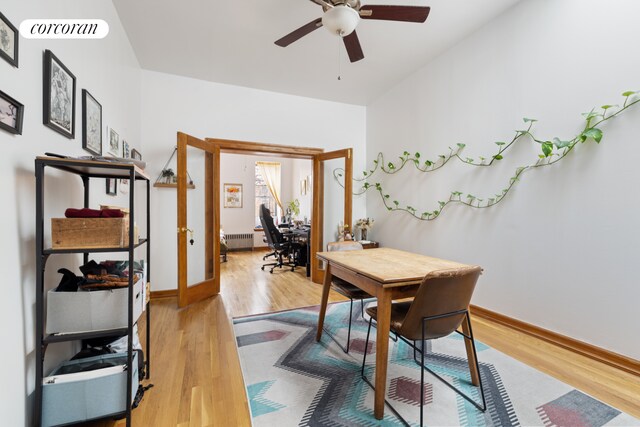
<point x="126" y="154"/>
<point x="552" y="151"/>
<point x="11" y="114"/>
<point x="168" y="178"/>
<point x="135" y="154"/>
<point x="9" y="38"/>
<point x="232" y="195"/>
<point x="114" y="143"/>
<point x="112" y="186"/>
<point x="91" y="124"/>
<point x="292" y="364"/>
<point x="364" y="224"/>
<point x="347" y="233"/>
<point x="59" y="96"/>
<point x="293" y="209"/>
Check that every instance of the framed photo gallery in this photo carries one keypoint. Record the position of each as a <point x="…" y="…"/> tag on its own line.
<point x="11" y="110"/>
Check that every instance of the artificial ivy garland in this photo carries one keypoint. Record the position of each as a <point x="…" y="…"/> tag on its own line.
<point x="552" y="152"/>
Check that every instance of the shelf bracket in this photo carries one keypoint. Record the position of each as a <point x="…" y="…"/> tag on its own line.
<point x="45" y="257"/>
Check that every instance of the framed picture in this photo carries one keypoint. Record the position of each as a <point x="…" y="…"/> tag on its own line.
<point x="9" y="38"/>
<point x="303" y="187"/>
<point x="11" y="114"/>
<point x="112" y="186"/>
<point x="91" y="124"/>
<point x="114" y="143"/>
<point x="232" y="195"/>
<point x="125" y="150"/>
<point x="135" y="154"/>
<point x="59" y="96"/>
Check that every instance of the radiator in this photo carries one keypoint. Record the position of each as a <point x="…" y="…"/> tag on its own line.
<point x="239" y="241"/>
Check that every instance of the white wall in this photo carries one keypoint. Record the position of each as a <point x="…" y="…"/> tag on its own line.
<point x="110" y="71"/>
<point x="561" y="250"/>
<point x="203" y="109"/>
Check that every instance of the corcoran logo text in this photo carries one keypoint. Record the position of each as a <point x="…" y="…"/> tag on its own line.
<point x="64" y="29"/>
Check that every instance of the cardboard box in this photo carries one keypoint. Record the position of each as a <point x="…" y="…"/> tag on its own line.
<point x="72" y="233"/>
<point x="81" y="396"/>
<point x="84" y="311"/>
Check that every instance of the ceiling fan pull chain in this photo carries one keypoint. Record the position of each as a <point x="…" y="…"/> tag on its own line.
<point x="339" y="50"/>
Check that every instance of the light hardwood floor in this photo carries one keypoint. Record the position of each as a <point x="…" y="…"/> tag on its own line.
<point x="197" y="377"/>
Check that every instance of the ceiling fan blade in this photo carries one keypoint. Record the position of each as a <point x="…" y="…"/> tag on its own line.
<point x="299" y="33"/>
<point x="395" y="13"/>
<point x="354" y="49"/>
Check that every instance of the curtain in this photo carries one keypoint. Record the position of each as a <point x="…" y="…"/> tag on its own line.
<point x="270" y="172"/>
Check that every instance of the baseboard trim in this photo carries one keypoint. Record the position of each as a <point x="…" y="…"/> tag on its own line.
<point x="164" y="294"/>
<point x="610" y="358"/>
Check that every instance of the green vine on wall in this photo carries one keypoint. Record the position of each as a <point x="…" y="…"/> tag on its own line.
<point x="552" y="151"/>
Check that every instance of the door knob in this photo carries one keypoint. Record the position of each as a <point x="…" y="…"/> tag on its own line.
<point x="190" y="231"/>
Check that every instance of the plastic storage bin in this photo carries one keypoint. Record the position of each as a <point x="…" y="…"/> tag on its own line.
<point x="91" y="310"/>
<point x="81" y="396"/>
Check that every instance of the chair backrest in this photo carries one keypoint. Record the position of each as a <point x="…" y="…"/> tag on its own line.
<point x="348" y="245"/>
<point x="273" y="235"/>
<point x="441" y="292"/>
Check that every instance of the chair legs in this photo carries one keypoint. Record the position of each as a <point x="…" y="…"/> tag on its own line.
<point x="422" y="352"/>
<point x="279" y="263"/>
<point x="345" y="349"/>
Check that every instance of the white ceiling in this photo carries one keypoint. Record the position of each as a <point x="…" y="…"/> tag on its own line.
<point x="232" y="42"/>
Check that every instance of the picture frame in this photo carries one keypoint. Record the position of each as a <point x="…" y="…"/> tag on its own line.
<point x="59" y="107"/>
<point x="233" y="195"/>
<point x="126" y="153"/>
<point x="11" y="114"/>
<point x="91" y="124"/>
<point x="135" y="154"/>
<point x="114" y="143"/>
<point x="303" y="187"/>
<point x="9" y="38"/>
<point x="112" y="186"/>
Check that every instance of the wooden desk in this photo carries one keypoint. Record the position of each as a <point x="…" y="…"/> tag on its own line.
<point x="388" y="274"/>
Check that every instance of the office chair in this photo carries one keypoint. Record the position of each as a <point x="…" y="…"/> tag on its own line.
<point x="347" y="289"/>
<point x="284" y="248"/>
<point x="438" y="309"/>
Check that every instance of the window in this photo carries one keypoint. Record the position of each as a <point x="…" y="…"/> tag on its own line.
<point x="263" y="195"/>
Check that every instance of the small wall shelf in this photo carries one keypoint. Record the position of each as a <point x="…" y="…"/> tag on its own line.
<point x="161" y="180"/>
<point x="163" y="185"/>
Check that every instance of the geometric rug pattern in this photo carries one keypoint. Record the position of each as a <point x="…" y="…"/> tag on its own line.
<point x="292" y="380"/>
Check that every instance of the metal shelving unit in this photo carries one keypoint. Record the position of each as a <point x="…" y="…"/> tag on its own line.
<point x="87" y="169"/>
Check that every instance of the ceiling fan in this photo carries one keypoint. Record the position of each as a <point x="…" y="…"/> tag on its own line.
<point x="342" y="16"/>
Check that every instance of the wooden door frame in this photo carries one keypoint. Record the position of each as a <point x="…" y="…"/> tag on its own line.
<point x="211" y="284"/>
<point x="317" y="224"/>
<point x="317" y="156"/>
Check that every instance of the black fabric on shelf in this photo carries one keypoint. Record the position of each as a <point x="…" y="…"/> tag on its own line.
<point x="69" y="281"/>
<point x="92" y="267"/>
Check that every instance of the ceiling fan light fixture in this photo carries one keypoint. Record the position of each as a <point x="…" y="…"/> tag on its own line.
<point x="340" y="20"/>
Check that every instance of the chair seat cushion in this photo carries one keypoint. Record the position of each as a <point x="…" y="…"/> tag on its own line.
<point x="347" y="289"/>
<point x="398" y="313"/>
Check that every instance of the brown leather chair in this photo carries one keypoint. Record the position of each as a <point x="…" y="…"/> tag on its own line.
<point x="347" y="289"/>
<point x="438" y="309"/>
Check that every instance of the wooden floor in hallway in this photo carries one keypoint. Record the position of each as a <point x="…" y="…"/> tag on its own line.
<point x="196" y="372"/>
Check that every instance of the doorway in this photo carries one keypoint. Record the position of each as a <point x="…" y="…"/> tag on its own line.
<point x="213" y="147"/>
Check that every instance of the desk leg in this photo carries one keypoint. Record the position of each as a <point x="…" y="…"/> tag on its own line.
<point x="325" y="297"/>
<point x="382" y="350"/>
<point x="475" y="375"/>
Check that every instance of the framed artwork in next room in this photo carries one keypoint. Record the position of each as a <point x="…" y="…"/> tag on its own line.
<point x="232" y="195"/>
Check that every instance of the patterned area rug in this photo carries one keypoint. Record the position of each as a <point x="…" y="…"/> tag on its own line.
<point x="293" y="380"/>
